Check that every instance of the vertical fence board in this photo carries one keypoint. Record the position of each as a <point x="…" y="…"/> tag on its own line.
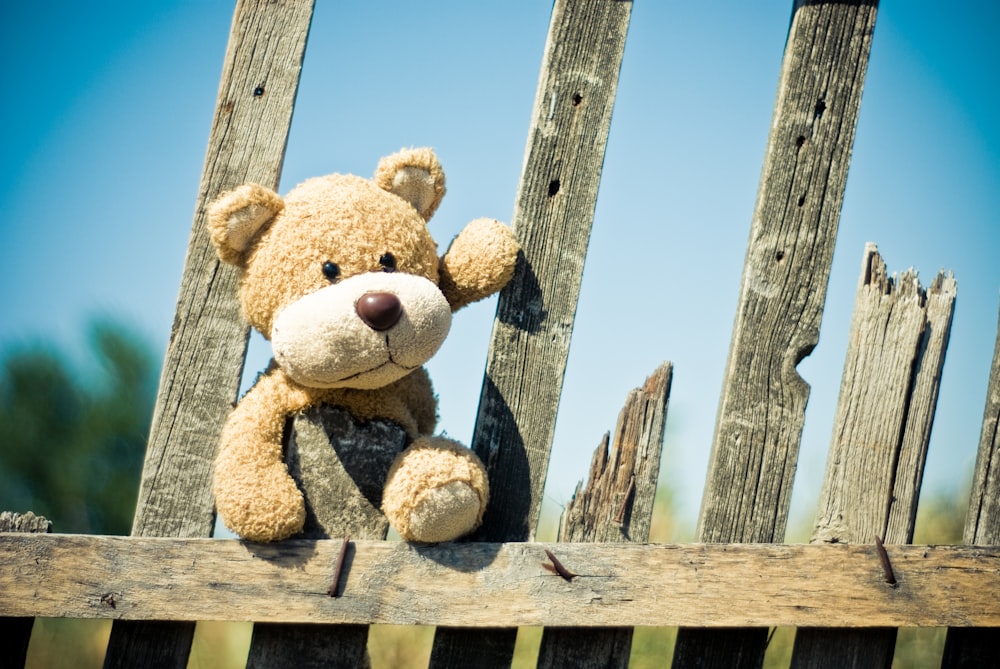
<point x="204" y="360"/>
<point x="968" y="648"/>
<point x="888" y="394"/>
<point x="531" y="336"/>
<point x="341" y="466"/>
<point x="909" y="471"/>
<point x="615" y="507"/>
<point x="783" y="289"/>
<point x="16" y="632"/>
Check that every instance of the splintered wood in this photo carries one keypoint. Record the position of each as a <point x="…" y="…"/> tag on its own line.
<point x="617" y="503"/>
<point x="616" y="506"/>
<point x="899" y="333"/>
<point x="888" y="393"/>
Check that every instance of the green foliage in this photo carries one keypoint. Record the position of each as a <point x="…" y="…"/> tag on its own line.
<point x="941" y="517"/>
<point x="72" y="440"/>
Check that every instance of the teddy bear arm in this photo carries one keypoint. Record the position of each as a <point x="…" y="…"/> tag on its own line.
<point x="479" y="262"/>
<point x="254" y="493"/>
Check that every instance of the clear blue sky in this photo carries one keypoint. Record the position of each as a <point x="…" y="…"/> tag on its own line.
<point x="108" y="106"/>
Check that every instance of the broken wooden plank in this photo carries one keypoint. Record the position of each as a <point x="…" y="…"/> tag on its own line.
<point x="485" y="584"/>
<point x="204" y="361"/>
<point x="882" y="424"/>
<point x="782" y="294"/>
<point x="616" y="506"/>
<point x="888" y="394"/>
<point x="970" y="648"/>
<point x="553" y="214"/>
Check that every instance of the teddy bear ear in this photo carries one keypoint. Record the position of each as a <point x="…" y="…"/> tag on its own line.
<point x="414" y="175"/>
<point x="235" y="218"/>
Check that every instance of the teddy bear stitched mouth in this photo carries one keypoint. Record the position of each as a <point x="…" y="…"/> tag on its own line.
<point x="377" y="368"/>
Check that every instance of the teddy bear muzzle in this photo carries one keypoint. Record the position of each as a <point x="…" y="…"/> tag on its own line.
<point x="364" y="332"/>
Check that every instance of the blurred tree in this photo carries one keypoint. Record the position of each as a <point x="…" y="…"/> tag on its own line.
<point x="72" y="440"/>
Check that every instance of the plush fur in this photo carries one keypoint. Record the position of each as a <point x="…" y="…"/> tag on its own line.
<point x="343" y="276"/>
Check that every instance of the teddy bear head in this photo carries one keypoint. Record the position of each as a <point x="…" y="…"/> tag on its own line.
<point x="342" y="274"/>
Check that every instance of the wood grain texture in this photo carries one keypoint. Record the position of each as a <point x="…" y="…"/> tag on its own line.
<point x="787" y="266"/>
<point x="982" y="524"/>
<point x="888" y="394"/>
<point x="24" y="522"/>
<point x="485" y="584"/>
<point x="204" y="360"/>
<point x="16" y="631"/>
<point x="939" y="310"/>
<point x="617" y="503"/>
<point x="783" y="289"/>
<point x="972" y="648"/>
<point x="341" y="466"/>
<point x="552" y="220"/>
<point x="616" y="506"/>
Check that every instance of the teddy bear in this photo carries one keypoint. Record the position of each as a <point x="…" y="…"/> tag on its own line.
<point x="343" y="277"/>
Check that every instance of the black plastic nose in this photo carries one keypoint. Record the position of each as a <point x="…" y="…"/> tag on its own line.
<point x="379" y="311"/>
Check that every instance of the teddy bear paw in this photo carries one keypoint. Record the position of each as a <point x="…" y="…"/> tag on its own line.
<point x="445" y="513"/>
<point x="436" y="491"/>
<point x="275" y="509"/>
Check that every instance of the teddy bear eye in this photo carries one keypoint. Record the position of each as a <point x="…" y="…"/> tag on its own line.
<point x="388" y="262"/>
<point x="331" y="271"/>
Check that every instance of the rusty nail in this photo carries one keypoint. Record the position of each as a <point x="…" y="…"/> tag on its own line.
<point x="620" y="516"/>
<point x="338" y="568"/>
<point x="557" y="567"/>
<point x="883" y="556"/>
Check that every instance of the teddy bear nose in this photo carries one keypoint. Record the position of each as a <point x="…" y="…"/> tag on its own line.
<point x="379" y="311"/>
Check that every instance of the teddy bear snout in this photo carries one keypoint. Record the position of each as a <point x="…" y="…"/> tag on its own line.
<point x="380" y="311"/>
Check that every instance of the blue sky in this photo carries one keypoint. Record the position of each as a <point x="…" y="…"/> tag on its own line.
<point x="108" y="108"/>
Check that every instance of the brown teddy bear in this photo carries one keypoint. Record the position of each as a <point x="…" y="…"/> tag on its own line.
<point x="343" y="277"/>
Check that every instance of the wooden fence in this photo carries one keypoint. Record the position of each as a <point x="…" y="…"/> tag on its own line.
<point x="312" y="598"/>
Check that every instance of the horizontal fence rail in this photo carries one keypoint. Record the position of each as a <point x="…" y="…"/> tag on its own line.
<point x="487" y="584"/>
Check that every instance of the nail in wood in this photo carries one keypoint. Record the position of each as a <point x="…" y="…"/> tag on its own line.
<point x="883" y="556"/>
<point x="338" y="568"/>
<point x="557" y="567"/>
<point x="620" y="516"/>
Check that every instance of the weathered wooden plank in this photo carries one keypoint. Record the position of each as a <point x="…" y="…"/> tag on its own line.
<point x="341" y="467"/>
<point x="786" y="271"/>
<point x="204" y="360"/>
<point x="888" y="394"/>
<point x="552" y="219"/>
<point x="966" y="649"/>
<point x="485" y="584"/>
<point x="881" y="427"/>
<point x="982" y="524"/>
<point x="616" y="506"/>
<point x="782" y="293"/>
<point x="24" y="522"/>
<point x="939" y="308"/>
<point x="16" y="631"/>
